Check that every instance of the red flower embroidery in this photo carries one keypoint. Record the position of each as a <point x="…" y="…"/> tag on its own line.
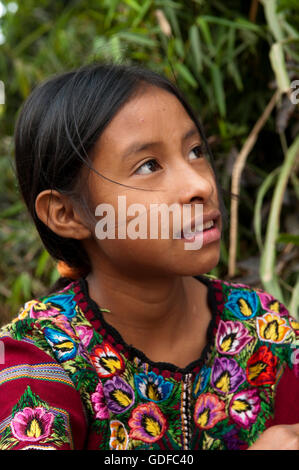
<point x="261" y="367"/>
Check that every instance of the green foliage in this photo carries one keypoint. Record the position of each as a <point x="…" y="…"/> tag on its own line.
<point x="227" y="60"/>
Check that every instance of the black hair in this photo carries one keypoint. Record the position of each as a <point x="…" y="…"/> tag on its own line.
<point x="58" y="127"/>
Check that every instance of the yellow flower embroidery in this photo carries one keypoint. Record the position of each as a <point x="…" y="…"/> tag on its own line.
<point x="272" y="328"/>
<point x="119" y="436"/>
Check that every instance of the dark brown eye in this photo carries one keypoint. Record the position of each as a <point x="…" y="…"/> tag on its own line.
<point x="196" y="152"/>
<point x="148" y="167"/>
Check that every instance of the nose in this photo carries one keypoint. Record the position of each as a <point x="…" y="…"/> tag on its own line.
<point x="194" y="184"/>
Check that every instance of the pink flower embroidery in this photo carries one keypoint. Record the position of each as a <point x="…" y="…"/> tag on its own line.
<point x="99" y="403"/>
<point x="85" y="333"/>
<point x="270" y="304"/>
<point x="231" y="337"/>
<point x="244" y="407"/>
<point x="147" y="423"/>
<point x="32" y="424"/>
<point x="209" y="410"/>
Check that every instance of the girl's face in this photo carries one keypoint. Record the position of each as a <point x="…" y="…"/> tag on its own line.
<point x="154" y="145"/>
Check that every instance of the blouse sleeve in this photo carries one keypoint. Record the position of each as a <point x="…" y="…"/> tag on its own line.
<point x="286" y="410"/>
<point x="39" y="405"/>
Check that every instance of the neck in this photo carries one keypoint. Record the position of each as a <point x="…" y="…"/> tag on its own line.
<point x="155" y="315"/>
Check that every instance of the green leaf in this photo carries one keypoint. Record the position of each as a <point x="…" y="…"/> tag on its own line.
<point x="267" y="266"/>
<point x="134" y="5"/>
<point x="288" y="238"/>
<point x="139" y="39"/>
<point x="218" y="89"/>
<point x="143" y="10"/>
<point x="257" y="218"/>
<point x="206" y="34"/>
<point x="185" y="73"/>
<point x="195" y="46"/>
<point x="279" y="67"/>
<point x="41" y="263"/>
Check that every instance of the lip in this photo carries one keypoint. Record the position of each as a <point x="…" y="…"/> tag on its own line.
<point x="213" y="215"/>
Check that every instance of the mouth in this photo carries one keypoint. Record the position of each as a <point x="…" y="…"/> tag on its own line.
<point x="209" y="222"/>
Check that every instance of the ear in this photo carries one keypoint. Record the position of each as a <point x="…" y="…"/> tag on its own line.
<point x="58" y="212"/>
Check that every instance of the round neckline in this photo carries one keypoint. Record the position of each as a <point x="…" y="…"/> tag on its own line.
<point x="98" y="322"/>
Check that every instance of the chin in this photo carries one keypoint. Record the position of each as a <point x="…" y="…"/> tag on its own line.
<point x="205" y="263"/>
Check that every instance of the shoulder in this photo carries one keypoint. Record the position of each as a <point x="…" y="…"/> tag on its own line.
<point x="47" y="320"/>
<point x="35" y="385"/>
<point x="257" y="323"/>
<point x="245" y="303"/>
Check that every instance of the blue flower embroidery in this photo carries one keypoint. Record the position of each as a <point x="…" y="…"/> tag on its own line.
<point x="243" y="304"/>
<point x="153" y="387"/>
<point x="64" y="303"/>
<point x="201" y="381"/>
<point x="64" y="347"/>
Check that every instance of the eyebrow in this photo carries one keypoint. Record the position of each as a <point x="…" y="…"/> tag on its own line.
<point x="140" y="146"/>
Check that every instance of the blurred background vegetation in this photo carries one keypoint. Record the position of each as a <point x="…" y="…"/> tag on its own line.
<point x="229" y="58"/>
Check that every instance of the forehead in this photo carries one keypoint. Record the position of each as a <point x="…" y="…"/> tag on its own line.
<point x="154" y="113"/>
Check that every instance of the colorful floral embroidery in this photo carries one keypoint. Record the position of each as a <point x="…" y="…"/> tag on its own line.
<point x="85" y="334"/>
<point x="119" y="437"/>
<point x="209" y="410"/>
<point x="272" y="305"/>
<point x="147" y="423"/>
<point x="153" y="387"/>
<point x="232" y="337"/>
<point x="33" y="421"/>
<point x="99" y="403"/>
<point x="107" y="361"/>
<point x="63" y="346"/>
<point x="201" y="380"/>
<point x="271" y="327"/>
<point x="244" y="407"/>
<point x="119" y="395"/>
<point x="227" y="375"/>
<point x="32" y="424"/>
<point x="261" y="367"/>
<point x="243" y="304"/>
<point x="223" y="403"/>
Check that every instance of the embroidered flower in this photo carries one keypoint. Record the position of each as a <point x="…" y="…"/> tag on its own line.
<point x="85" y="333"/>
<point x="63" y="346"/>
<point x="231" y="337"/>
<point x="119" y="395"/>
<point x="50" y="306"/>
<point x="201" y="380"/>
<point x="273" y="328"/>
<point x="208" y="411"/>
<point x="243" y="304"/>
<point x="64" y="303"/>
<point x="227" y="375"/>
<point x="107" y="361"/>
<point x="62" y="323"/>
<point x="153" y="387"/>
<point x="147" y="423"/>
<point x="294" y="324"/>
<point x="32" y="424"/>
<point x="99" y="403"/>
<point x="261" y="367"/>
<point x="232" y="440"/>
<point x="36" y="309"/>
<point x="119" y="437"/>
<point x="244" y="407"/>
<point x="270" y="304"/>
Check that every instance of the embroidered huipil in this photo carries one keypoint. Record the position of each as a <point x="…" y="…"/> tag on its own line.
<point x="69" y="381"/>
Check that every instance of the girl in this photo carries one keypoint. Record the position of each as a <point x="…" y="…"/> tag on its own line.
<point x="136" y="348"/>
